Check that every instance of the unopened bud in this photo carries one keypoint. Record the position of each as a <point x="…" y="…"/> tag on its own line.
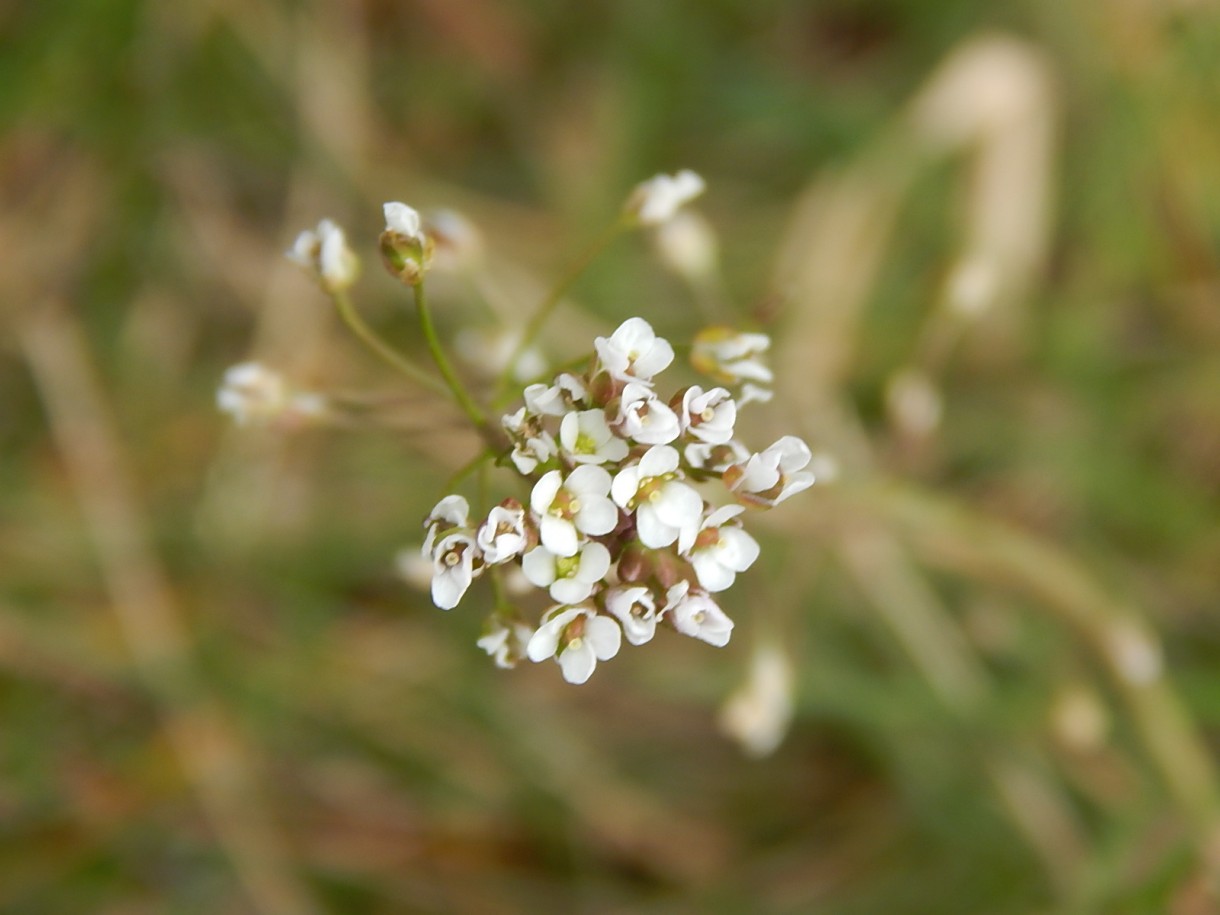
<point x="406" y="250"/>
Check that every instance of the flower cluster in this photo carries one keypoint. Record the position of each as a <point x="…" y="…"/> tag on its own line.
<point x="619" y="529"/>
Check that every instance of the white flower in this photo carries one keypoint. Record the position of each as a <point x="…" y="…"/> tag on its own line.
<point x="557" y="399"/>
<point x="771" y="476"/>
<point x="730" y="356"/>
<point x="643" y="417"/>
<point x="578" y="637"/>
<point x="709" y="415"/>
<point x="325" y="254"/>
<point x="722" y="550"/>
<point x="452" y="569"/>
<point x="657" y="199"/>
<point x="717" y="458"/>
<point x="450" y="512"/>
<point x="694" y="613"/>
<point x="633" y="352"/>
<point x="570" y="579"/>
<point x="502" y="536"/>
<point x="758" y="714"/>
<point x="636" y="610"/>
<point x="251" y="392"/>
<point x="505" y="642"/>
<point x="586" y="438"/>
<point x="577" y="504"/>
<point x="403" y="220"/>
<point x="532" y="445"/>
<point x="666" y="509"/>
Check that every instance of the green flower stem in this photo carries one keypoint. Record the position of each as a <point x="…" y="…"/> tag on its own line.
<point x="389" y="355"/>
<point x="460" y="394"/>
<point x="549" y="304"/>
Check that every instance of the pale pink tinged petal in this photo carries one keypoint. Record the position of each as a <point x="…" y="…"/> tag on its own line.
<point x="679" y="505"/>
<point x="625" y="485"/>
<point x="538" y="565"/>
<point x="604" y="635"/>
<point x="588" y="480"/>
<point x="597" y="516"/>
<point x="712" y="575"/>
<point x="653" y="532"/>
<point x="570" y="590"/>
<point x="577" y="662"/>
<point x="558" y="535"/>
<point x="543" y="493"/>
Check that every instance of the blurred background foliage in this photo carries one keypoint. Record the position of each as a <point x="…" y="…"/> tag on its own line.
<point x="985" y="238"/>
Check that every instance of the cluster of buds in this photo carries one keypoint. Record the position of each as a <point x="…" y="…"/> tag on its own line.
<point x="619" y="529"/>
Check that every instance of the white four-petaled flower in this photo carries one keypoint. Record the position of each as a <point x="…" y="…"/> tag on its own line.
<point x="772" y="475"/>
<point x="666" y="509"/>
<point x="694" y="613"/>
<point x="722" y="549"/>
<point x="569" y="579"/>
<point x="502" y="536"/>
<point x="634" y="352"/>
<point x="709" y="415"/>
<point x="452" y="568"/>
<point x="586" y="438"/>
<point x="636" y="610"/>
<point x="573" y="506"/>
<point x="578" y="638"/>
<point x="644" y="417"/>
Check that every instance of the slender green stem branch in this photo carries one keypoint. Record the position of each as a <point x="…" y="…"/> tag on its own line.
<point x="548" y="305"/>
<point x="460" y="394"/>
<point x="389" y="355"/>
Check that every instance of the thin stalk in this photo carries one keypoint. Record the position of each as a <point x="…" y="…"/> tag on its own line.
<point x="460" y="394"/>
<point x="548" y="305"/>
<point x="387" y="354"/>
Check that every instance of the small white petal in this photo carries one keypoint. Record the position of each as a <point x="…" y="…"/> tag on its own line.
<point x="604" y="635"/>
<point x="597" y="516"/>
<point x="539" y="566"/>
<point x="558" y="535"/>
<point x="577" y="662"/>
<point x="402" y="219"/>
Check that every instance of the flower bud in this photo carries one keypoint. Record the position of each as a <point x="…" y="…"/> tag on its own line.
<point x="406" y="250"/>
